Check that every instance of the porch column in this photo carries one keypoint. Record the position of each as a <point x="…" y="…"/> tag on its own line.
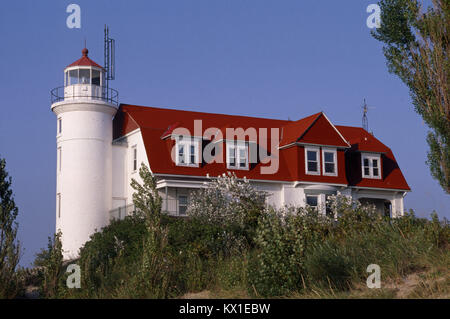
<point x="167" y="199"/>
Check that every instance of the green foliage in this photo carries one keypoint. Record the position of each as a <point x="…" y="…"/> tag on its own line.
<point x="9" y="246"/>
<point x="230" y="204"/>
<point x="118" y="243"/>
<point x="416" y="47"/>
<point x="50" y="263"/>
<point x="278" y="266"/>
<point x="152" y="255"/>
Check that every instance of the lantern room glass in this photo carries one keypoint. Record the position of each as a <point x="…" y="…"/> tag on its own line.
<point x="83" y="76"/>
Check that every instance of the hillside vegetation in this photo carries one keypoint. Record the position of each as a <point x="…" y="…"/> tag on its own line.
<point x="233" y="246"/>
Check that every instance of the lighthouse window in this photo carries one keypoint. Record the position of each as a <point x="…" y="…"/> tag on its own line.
<point x="95" y="77"/>
<point x="85" y="76"/>
<point x="58" y="204"/>
<point x="59" y="125"/>
<point x="73" y="77"/>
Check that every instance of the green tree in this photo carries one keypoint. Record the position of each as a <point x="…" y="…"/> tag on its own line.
<point x="416" y="47"/>
<point x="51" y="263"/>
<point x="9" y="246"/>
<point x="154" y="271"/>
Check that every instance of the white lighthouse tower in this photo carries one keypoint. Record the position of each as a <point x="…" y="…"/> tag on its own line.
<point x="84" y="107"/>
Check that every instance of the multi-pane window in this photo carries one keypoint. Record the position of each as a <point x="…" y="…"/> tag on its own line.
<point x="187" y="152"/>
<point x="329" y="162"/>
<point x="312" y="160"/>
<point x="83" y="76"/>
<point x="237" y="155"/>
<point x="182" y="204"/>
<point x="370" y="166"/>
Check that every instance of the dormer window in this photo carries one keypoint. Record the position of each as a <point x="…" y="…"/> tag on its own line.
<point x="312" y="160"/>
<point x="329" y="162"/>
<point x="371" y="166"/>
<point x="187" y="152"/>
<point x="237" y="155"/>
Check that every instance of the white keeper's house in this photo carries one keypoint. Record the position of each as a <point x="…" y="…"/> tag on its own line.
<point x="101" y="145"/>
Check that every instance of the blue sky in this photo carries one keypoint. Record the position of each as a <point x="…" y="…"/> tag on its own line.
<point x="278" y="59"/>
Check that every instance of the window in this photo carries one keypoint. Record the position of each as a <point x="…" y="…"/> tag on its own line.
<point x="58" y="204"/>
<point x="237" y="155"/>
<point x="182" y="204"/>
<point x="85" y="76"/>
<point x="370" y="166"/>
<point x="134" y="150"/>
<point x="312" y="200"/>
<point x="312" y="160"/>
<point x="95" y="77"/>
<point x="59" y="125"/>
<point x="329" y="162"/>
<point x="187" y="152"/>
<point x="59" y="155"/>
<point x="73" y="77"/>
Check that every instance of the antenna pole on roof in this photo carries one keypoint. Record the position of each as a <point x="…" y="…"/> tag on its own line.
<point x="110" y="63"/>
<point x="365" y="120"/>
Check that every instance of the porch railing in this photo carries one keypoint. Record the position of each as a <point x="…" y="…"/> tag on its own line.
<point x="172" y="207"/>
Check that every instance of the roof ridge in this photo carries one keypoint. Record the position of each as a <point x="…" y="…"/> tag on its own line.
<point x="209" y="113"/>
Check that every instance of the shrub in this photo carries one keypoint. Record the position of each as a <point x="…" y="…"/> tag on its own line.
<point x="121" y="239"/>
<point x="233" y="205"/>
<point x="278" y="266"/>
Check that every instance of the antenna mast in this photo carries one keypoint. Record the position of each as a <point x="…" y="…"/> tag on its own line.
<point x="110" y="60"/>
<point x="365" y="120"/>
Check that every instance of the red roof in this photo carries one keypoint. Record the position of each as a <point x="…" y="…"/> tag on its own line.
<point x="156" y="124"/>
<point x="84" y="60"/>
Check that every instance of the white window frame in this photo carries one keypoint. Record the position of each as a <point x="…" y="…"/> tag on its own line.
<point x="371" y="157"/>
<point x="134" y="161"/>
<point x="317" y="151"/>
<point x="312" y="195"/>
<point x="58" y="204"/>
<point x="180" y="205"/>
<point x="187" y="142"/>
<point x="59" y="124"/>
<point x="329" y="150"/>
<point x="59" y="159"/>
<point x="237" y="146"/>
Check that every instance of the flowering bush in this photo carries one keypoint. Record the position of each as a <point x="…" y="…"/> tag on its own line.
<point x="233" y="205"/>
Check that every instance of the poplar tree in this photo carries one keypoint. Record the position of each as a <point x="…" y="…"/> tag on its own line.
<point x="416" y="47"/>
<point x="9" y="246"/>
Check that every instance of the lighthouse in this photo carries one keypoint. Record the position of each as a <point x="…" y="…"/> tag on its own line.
<point x="84" y="109"/>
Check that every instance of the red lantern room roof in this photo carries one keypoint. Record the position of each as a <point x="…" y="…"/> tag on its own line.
<point x="84" y="61"/>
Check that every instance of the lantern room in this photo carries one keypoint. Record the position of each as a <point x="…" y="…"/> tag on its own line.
<point x="84" y="71"/>
<point x="84" y="79"/>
